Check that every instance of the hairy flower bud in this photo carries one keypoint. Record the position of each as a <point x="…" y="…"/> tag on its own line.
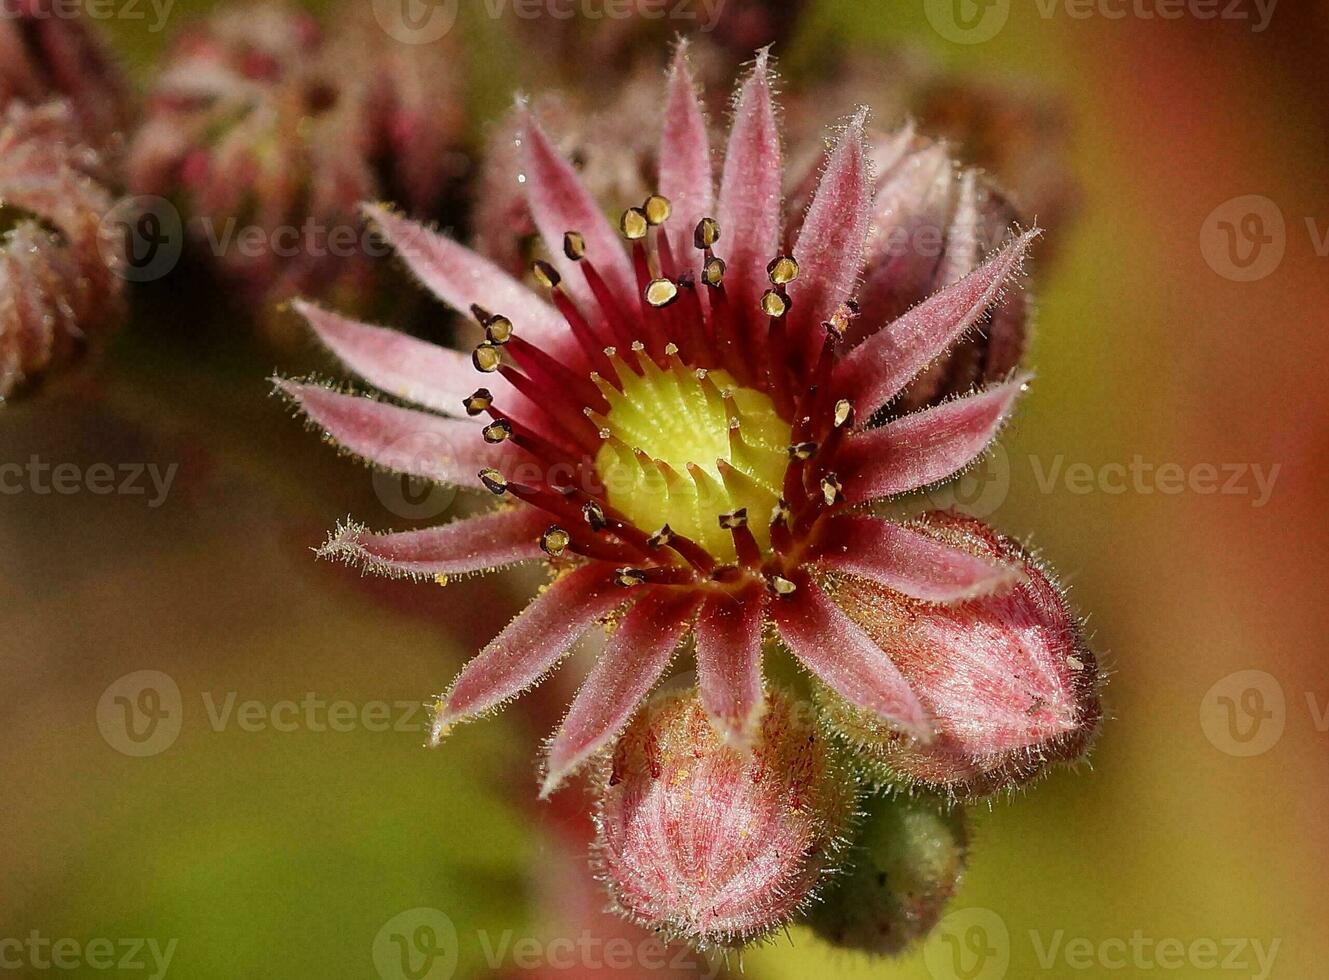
<point x="706" y="843"/>
<point x="47" y="54"/>
<point x="58" y="258"/>
<point x="1010" y="684"/>
<point x="903" y="868"/>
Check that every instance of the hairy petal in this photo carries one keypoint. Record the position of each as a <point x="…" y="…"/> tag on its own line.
<point x="729" y="663"/>
<point x="750" y="189"/>
<point x="472" y="544"/>
<point x="560" y="203"/>
<point x="635" y="657"/>
<point x="875" y="371"/>
<point x="460" y="277"/>
<point x="401" y="365"/>
<point x="830" y="246"/>
<point x="909" y="561"/>
<point x="835" y="648"/>
<point x="685" y="161"/>
<point x="400" y="439"/>
<point x="926" y="447"/>
<point x="531" y="644"/>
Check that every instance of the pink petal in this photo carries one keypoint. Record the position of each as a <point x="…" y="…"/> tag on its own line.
<point x="830" y="246"/>
<point x="400" y="439"/>
<point x="926" y="447"/>
<point x="875" y="371"/>
<point x="685" y="161"/>
<point x="401" y="365"/>
<point x="531" y="644"/>
<point x="460" y="277"/>
<point x="909" y="561"/>
<point x="560" y="203"/>
<point x="632" y="662"/>
<point x="836" y="649"/>
<point x="750" y="201"/>
<point x="729" y="663"/>
<point x="472" y="544"/>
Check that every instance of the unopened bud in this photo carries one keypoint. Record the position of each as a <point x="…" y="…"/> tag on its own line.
<point x="704" y="842"/>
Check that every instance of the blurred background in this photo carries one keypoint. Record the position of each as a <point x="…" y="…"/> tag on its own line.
<point x="260" y="804"/>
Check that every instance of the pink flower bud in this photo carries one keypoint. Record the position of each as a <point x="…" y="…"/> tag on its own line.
<point x="58" y="257"/>
<point x="903" y="868"/>
<point x="1010" y="684"/>
<point x="708" y="844"/>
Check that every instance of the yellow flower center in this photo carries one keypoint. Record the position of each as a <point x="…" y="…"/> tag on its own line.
<point x="693" y="451"/>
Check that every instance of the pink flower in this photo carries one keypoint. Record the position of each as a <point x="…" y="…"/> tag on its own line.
<point x="706" y="843"/>
<point x="58" y="258"/>
<point x="684" y="430"/>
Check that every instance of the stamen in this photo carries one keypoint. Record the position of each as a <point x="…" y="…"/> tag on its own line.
<point x="774" y="304"/>
<point x="629" y="577"/>
<point x="657" y="209"/>
<point x="844" y="413"/>
<point x="802" y="450"/>
<point x="494" y="481"/>
<point x="574" y="245"/>
<point x="634" y="224"/>
<point x="487" y="358"/>
<point x="545" y="274"/>
<point x="595" y="515"/>
<point x="712" y="273"/>
<point x="478" y="402"/>
<point x="555" y="541"/>
<point x="661" y="537"/>
<point x="497" y="431"/>
<point x="734" y="519"/>
<point x="831" y="490"/>
<point x="707" y="233"/>
<point x="498" y="330"/>
<point x="783" y="270"/>
<point x="780" y="586"/>
<point x="661" y="292"/>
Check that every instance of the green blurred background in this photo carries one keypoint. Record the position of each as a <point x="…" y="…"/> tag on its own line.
<point x="272" y="853"/>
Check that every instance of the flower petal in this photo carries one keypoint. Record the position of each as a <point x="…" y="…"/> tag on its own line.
<point x="836" y="649"/>
<point x="560" y="203"/>
<point x="926" y="447"/>
<point x="875" y="371"/>
<point x="531" y="644"/>
<point x="460" y="277"/>
<point x="686" y="177"/>
<point x="400" y="439"/>
<point x="472" y="544"/>
<point x="750" y="198"/>
<point x="394" y="362"/>
<point x="830" y="246"/>
<point x="632" y="662"/>
<point x="909" y="561"/>
<point x="729" y="663"/>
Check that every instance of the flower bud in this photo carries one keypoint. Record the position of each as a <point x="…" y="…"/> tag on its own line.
<point x="903" y="868"/>
<point x="1007" y="678"/>
<point x="706" y="843"/>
